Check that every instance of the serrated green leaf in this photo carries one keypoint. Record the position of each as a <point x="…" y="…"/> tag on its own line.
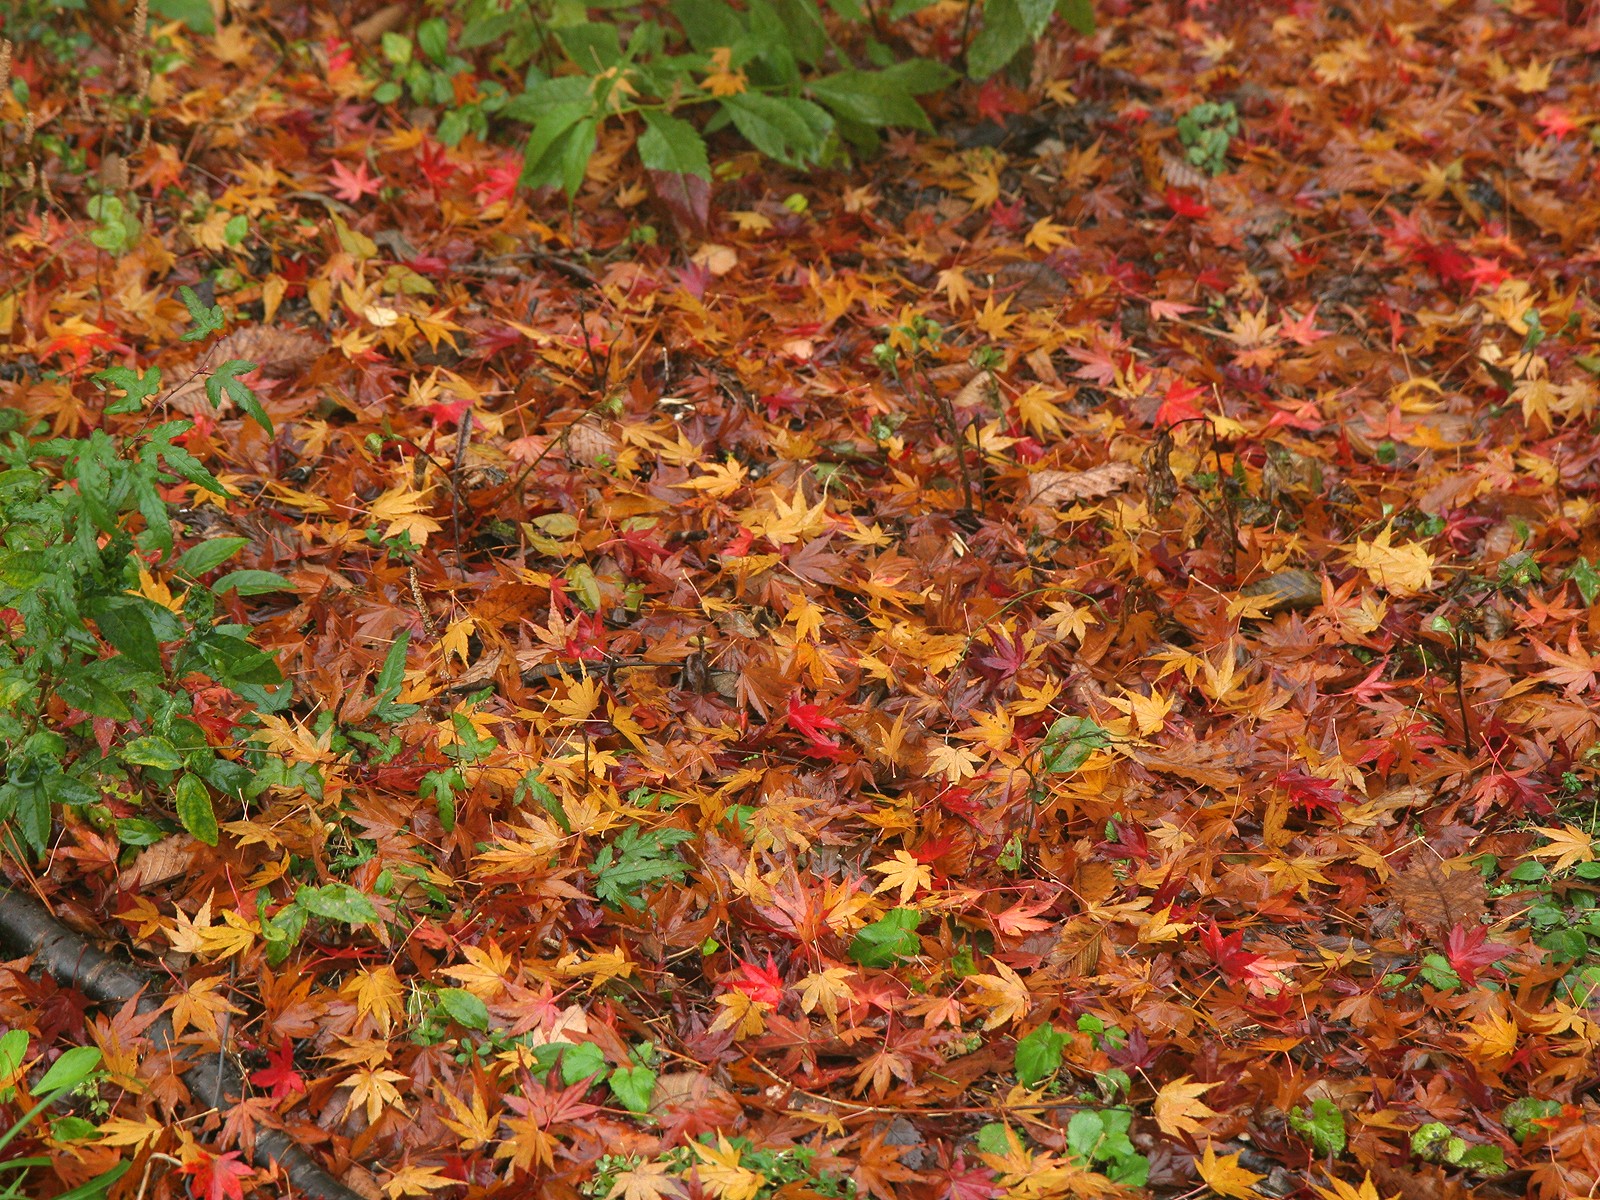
<point x="785" y="128"/>
<point x="337" y="902"/>
<point x="1008" y="26"/>
<point x="673" y="145"/>
<point x="465" y="1009"/>
<point x="207" y="319"/>
<point x="152" y="750"/>
<point x="225" y="379"/>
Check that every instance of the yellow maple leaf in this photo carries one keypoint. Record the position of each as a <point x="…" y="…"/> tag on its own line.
<point x="199" y="1005"/>
<point x="807" y="619"/>
<point x="996" y="320"/>
<point x="903" y="872"/>
<point x="788" y="520"/>
<point x="1046" y="235"/>
<point x="411" y="1180"/>
<point x="1149" y="712"/>
<point x="720" y="1174"/>
<point x="485" y="972"/>
<point x="955" y="763"/>
<point x="473" y="1124"/>
<point x="1226" y="1177"/>
<point x="720" y="479"/>
<point x="745" y="1016"/>
<point x="1178" y="1109"/>
<point x="1005" y="995"/>
<point x="1494" y="1035"/>
<point x="1038" y="411"/>
<point x="957" y="290"/>
<point x="647" y="1181"/>
<point x="120" y="1131"/>
<point x="1405" y="569"/>
<point x="378" y="995"/>
<point x="1160" y="927"/>
<point x="826" y="990"/>
<point x="1568" y="846"/>
<point x="374" y="1090"/>
<point x="401" y="507"/>
<point x="1344" y="1191"/>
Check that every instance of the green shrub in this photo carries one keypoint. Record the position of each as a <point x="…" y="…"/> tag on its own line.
<point x="97" y="674"/>
<point x="793" y="81"/>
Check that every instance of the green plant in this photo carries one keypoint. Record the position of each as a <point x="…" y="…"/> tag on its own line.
<point x="330" y="901"/>
<point x="638" y="859"/>
<point x="1526" y="1116"/>
<point x="1435" y="1143"/>
<point x="74" y="1074"/>
<point x="1322" y="1126"/>
<point x="888" y="940"/>
<point x="1098" y="1138"/>
<point x="99" y="668"/>
<point x="792" y="79"/>
<point x="1207" y="130"/>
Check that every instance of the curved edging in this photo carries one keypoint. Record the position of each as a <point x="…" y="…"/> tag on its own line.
<point x="28" y="929"/>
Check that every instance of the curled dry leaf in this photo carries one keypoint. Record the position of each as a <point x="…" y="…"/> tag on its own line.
<point x="1054" y="489"/>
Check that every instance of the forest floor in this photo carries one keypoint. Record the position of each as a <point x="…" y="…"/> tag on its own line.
<point x="1026" y="667"/>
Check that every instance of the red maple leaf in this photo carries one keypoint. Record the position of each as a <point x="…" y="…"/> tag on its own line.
<point x="1312" y="792"/>
<point x="810" y="721"/>
<point x="498" y="183"/>
<point x="963" y="1182"/>
<point x="1469" y="951"/>
<point x="434" y="163"/>
<point x="350" y="185"/>
<point x="996" y="98"/>
<point x="1184" y="205"/>
<point x="1228" y="952"/>
<point x="279" y="1074"/>
<point x="758" y="982"/>
<point x="218" y="1176"/>
<point x="1177" y="405"/>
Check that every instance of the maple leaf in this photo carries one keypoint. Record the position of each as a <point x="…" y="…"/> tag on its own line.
<point x="1005" y="995"/>
<point x="722" y="80"/>
<point x="720" y="1173"/>
<point x="810" y="721"/>
<point x="218" y="1176"/>
<point x="1340" y="1190"/>
<point x="412" y="1180"/>
<point x="761" y="983"/>
<point x="1177" y="406"/>
<point x="826" y="989"/>
<point x="903" y="872"/>
<point x="120" y="1131"/>
<point x="1469" y="951"/>
<point x="1403" y="570"/>
<point x="1226" y="1177"/>
<point x="374" y="1089"/>
<point x="279" y="1075"/>
<point x="961" y="1181"/>
<point x="473" y="1124"/>
<point x="1227" y="951"/>
<point x="647" y="1181"/>
<point x="350" y="186"/>
<point x="1178" y="1109"/>
<point x="1569" y="846"/>
<point x="742" y="1014"/>
<point x="1022" y="918"/>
